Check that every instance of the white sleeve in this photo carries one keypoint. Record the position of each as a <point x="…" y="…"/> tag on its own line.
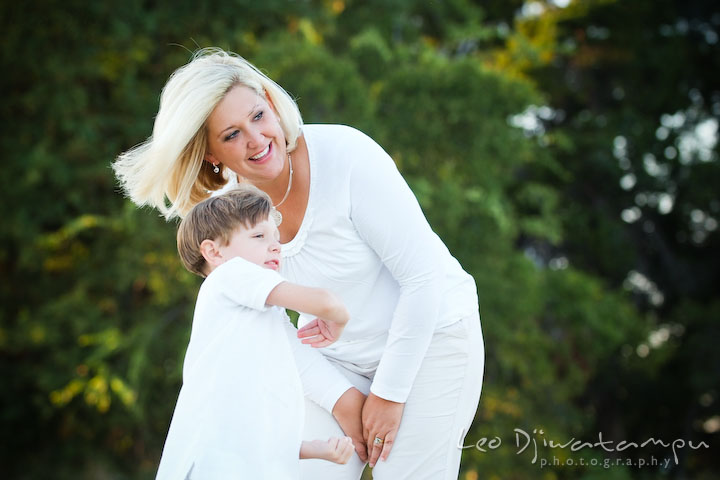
<point x="322" y="383"/>
<point x="244" y="283"/>
<point x="247" y="284"/>
<point x="388" y="217"/>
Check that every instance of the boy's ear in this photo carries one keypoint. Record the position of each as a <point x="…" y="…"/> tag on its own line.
<point x="211" y="253"/>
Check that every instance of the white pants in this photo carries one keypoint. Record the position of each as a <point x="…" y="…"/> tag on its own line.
<point x="439" y="410"/>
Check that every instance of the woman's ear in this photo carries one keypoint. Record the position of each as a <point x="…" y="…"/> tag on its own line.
<point x="210" y="158"/>
<point x="211" y="253"/>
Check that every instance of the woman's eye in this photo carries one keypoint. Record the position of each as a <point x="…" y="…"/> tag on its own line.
<point x="259" y="235"/>
<point x="232" y="135"/>
<point x="259" y="115"/>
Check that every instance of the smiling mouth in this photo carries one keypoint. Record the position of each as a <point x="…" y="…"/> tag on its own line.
<point x="261" y="154"/>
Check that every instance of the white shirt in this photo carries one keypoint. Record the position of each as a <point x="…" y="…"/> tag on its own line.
<point x="240" y="410"/>
<point x="365" y="238"/>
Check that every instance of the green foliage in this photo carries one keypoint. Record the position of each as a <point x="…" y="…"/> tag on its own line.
<point x="327" y="89"/>
<point x="96" y="307"/>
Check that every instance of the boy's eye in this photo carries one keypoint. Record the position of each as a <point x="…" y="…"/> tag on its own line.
<point x="232" y="135"/>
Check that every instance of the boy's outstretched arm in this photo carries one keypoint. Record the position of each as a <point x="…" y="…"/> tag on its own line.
<point x="330" y="311"/>
<point x="337" y="450"/>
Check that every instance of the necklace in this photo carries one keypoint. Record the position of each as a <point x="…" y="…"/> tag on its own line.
<point x="277" y="216"/>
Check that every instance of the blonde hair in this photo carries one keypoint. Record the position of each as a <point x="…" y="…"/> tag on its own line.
<point x="216" y="218"/>
<point x="168" y="171"/>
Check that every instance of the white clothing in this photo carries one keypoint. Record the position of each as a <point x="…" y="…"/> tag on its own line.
<point x="437" y="415"/>
<point x="240" y="410"/>
<point x="365" y="238"/>
<point x="414" y="332"/>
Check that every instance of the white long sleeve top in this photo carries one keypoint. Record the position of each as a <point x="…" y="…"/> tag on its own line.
<point x="240" y="410"/>
<point x="365" y="238"/>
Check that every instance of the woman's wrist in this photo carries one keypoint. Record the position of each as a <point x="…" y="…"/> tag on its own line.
<point x="350" y="402"/>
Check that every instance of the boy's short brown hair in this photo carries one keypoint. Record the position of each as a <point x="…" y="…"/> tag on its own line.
<point x="216" y="218"/>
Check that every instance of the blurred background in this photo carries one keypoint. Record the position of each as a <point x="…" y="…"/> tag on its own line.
<point x="566" y="151"/>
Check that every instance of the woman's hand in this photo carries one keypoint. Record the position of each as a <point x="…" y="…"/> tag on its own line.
<point x="381" y="419"/>
<point x="347" y="411"/>
<point x="320" y="333"/>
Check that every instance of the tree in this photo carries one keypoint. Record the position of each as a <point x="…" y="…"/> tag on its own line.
<point x="540" y="148"/>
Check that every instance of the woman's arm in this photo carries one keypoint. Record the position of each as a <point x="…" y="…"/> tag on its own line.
<point x="387" y="216"/>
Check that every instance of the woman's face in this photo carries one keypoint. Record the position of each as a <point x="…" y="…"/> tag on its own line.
<point x="244" y="135"/>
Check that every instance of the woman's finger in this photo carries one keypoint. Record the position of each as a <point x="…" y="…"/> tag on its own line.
<point x="387" y="445"/>
<point x="360" y="447"/>
<point x="380" y="417"/>
<point x="377" y="443"/>
<point x="347" y="412"/>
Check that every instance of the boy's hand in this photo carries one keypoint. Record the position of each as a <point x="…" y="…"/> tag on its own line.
<point x="337" y="450"/>
<point x="320" y="333"/>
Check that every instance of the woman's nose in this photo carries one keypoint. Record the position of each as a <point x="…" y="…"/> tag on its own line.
<point x="255" y="138"/>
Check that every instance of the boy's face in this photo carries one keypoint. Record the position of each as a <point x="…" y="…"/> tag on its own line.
<point x="259" y="245"/>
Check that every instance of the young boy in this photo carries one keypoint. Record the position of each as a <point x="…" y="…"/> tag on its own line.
<point x="241" y="408"/>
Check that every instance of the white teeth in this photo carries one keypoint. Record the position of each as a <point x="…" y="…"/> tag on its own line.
<point x="261" y="154"/>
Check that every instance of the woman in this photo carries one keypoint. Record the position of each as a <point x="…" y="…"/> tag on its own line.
<point x="348" y="222"/>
